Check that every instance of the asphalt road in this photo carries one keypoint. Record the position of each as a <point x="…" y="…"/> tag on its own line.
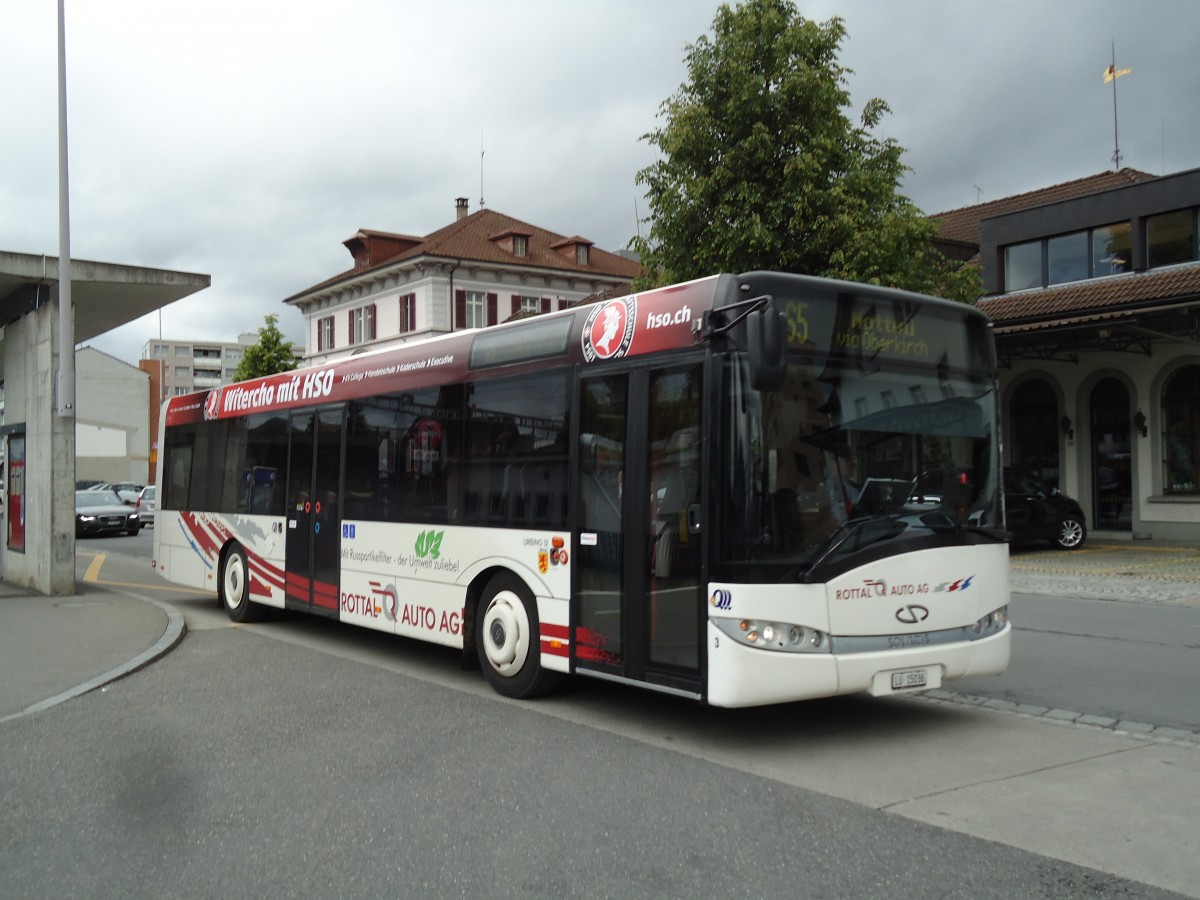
<point x="1131" y="661"/>
<point x="1127" y="661"/>
<point x="299" y="758"/>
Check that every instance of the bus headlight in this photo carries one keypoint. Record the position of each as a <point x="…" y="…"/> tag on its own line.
<point x="789" y="637"/>
<point x="993" y="623"/>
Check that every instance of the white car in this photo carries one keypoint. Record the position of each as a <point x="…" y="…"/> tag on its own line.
<point x="145" y="505"/>
<point x="128" y="491"/>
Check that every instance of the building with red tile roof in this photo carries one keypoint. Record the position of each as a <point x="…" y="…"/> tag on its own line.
<point x="481" y="269"/>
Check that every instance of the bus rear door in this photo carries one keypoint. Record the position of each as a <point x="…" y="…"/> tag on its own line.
<point x="313" y="545"/>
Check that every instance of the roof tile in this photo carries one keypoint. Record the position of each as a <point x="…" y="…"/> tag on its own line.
<point x="962" y="225"/>
<point x="1095" y="298"/>
<point x="471" y="239"/>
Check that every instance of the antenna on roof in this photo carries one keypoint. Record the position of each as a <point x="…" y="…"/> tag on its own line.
<point x="978" y="193"/>
<point x="481" y="168"/>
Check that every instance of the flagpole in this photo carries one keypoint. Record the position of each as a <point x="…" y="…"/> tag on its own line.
<point x="1116" y="142"/>
<point x="1112" y="73"/>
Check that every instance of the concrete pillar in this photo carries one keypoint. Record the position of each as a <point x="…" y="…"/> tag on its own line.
<point x="31" y="365"/>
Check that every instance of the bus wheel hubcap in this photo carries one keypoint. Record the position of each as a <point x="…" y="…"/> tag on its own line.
<point x="506" y="633"/>
<point x="233" y="581"/>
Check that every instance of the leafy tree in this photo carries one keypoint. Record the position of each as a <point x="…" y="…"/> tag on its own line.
<point x="272" y="354"/>
<point x="761" y="168"/>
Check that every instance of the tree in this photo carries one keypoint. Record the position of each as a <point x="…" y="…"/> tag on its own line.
<point x="761" y="168"/>
<point x="272" y="354"/>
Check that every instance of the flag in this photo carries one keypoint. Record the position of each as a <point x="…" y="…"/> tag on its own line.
<point x="1112" y="73"/>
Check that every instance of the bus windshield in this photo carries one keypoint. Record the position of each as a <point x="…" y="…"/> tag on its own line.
<point x="857" y="457"/>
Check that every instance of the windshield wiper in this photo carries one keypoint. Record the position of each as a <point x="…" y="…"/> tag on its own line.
<point x="898" y="523"/>
<point x="852" y="529"/>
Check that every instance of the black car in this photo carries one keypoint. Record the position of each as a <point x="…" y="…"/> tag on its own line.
<point x="103" y="512"/>
<point x="1035" y="512"/>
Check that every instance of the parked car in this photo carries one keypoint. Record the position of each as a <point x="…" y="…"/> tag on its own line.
<point x="103" y="512"/>
<point x="127" y="490"/>
<point x="145" y="505"/>
<point x="86" y="484"/>
<point x="1036" y="512"/>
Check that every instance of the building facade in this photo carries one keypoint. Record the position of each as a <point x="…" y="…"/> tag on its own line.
<point x="1093" y="287"/>
<point x="190" y="366"/>
<point x="112" y="421"/>
<point x="482" y="269"/>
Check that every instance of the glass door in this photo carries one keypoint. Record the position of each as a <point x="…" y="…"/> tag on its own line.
<point x="313" y="542"/>
<point x="638" y="543"/>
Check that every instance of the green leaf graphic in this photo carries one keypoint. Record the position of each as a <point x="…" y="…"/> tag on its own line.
<point x="422" y="545"/>
<point x="435" y="543"/>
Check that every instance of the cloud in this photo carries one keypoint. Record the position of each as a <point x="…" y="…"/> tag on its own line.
<point x="247" y="141"/>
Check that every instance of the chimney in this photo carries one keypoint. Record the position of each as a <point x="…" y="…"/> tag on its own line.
<point x="460" y="207"/>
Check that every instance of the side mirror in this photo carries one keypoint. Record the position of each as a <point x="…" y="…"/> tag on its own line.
<point x="766" y="341"/>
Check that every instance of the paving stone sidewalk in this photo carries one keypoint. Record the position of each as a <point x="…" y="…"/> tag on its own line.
<point x="1119" y="570"/>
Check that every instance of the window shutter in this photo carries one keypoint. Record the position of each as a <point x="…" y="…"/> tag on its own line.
<point x="545" y="304"/>
<point x="320" y="337"/>
<point x="562" y="304"/>
<point x="372" y="321"/>
<point x="516" y="304"/>
<point x="460" y="310"/>
<point x="491" y="309"/>
<point x="351" y="326"/>
<point x="412" y="312"/>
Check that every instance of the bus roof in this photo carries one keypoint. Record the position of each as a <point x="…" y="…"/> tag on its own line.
<point x="661" y="319"/>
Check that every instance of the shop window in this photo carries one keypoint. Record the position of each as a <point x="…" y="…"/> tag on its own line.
<point x="1036" y="429"/>
<point x="1181" y="432"/>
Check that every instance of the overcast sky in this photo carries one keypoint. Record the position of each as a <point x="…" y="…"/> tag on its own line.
<point x="247" y="140"/>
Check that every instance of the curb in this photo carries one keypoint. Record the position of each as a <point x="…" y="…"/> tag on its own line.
<point x="1157" y="733"/>
<point x="170" y="638"/>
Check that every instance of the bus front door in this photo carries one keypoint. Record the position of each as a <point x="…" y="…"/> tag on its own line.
<point x="313" y="544"/>
<point x="637" y="544"/>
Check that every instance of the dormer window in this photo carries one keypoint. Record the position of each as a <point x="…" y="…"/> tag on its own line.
<point x="514" y="241"/>
<point x="581" y="254"/>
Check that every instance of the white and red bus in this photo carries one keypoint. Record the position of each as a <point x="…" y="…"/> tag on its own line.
<point x="744" y="489"/>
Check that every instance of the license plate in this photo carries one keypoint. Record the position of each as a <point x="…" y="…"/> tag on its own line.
<point x="914" y="679"/>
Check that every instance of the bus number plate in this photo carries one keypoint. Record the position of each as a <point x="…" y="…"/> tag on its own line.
<point x="914" y="679"/>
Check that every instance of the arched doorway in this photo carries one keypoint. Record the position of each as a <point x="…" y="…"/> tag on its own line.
<point x="1035" y="430"/>
<point x="1112" y="492"/>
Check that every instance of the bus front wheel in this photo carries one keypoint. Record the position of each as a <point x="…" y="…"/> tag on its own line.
<point x="235" y="588"/>
<point x="508" y="641"/>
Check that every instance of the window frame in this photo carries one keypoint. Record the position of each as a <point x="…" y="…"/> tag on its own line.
<point x="325" y="333"/>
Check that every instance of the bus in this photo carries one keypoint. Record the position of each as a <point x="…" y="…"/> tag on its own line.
<point x="744" y="489"/>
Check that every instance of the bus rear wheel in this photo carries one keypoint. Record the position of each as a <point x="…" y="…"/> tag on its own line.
<point x="235" y="588"/>
<point x="508" y="640"/>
